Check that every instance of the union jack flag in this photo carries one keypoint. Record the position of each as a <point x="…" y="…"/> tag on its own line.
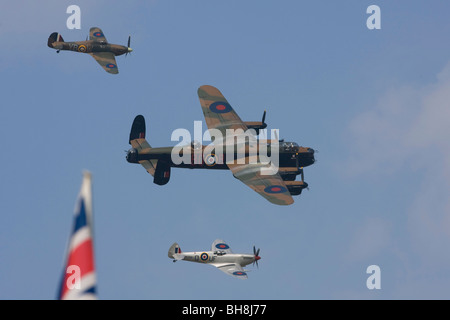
<point x="78" y="281"/>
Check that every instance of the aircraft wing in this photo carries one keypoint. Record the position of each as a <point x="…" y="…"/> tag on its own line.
<point x="271" y="187"/>
<point x="217" y="111"/>
<point x="232" y="269"/>
<point x="96" y="34"/>
<point x="220" y="115"/>
<point x="106" y="60"/>
<point x="221" y="245"/>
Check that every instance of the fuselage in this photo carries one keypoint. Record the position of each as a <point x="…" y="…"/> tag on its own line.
<point x="290" y="155"/>
<point x="89" y="46"/>
<point x="219" y="257"/>
<point x="288" y="162"/>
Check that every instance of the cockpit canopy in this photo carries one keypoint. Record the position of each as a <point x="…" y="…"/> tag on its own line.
<point x="196" y="145"/>
<point x="288" y="145"/>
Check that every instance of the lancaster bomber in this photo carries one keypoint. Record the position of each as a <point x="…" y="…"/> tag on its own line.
<point x="220" y="257"/>
<point x="276" y="185"/>
<point x="97" y="46"/>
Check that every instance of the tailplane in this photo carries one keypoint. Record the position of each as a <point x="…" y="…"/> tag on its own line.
<point x="138" y="142"/>
<point x="54" y="37"/>
<point x="159" y="169"/>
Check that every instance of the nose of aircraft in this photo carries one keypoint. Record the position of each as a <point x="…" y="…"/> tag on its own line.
<point x="256" y="255"/>
<point x="129" y="49"/>
<point x="306" y="156"/>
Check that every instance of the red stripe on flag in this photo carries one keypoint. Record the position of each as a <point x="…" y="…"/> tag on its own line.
<point x="83" y="257"/>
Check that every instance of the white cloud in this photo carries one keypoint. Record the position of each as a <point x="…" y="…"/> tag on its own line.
<point x="408" y="124"/>
<point x="369" y="240"/>
<point x="408" y="130"/>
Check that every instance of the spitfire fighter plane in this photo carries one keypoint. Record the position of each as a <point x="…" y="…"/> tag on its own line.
<point x="97" y="46"/>
<point x="220" y="257"/>
<point x="277" y="187"/>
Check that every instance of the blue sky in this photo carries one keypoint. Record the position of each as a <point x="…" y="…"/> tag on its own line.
<point x="375" y="103"/>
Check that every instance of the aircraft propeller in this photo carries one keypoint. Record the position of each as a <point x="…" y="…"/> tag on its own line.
<point x="257" y="257"/>
<point x="128" y="46"/>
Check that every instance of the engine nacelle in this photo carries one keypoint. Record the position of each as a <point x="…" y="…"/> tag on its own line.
<point x="296" y="187"/>
<point x="255" y="125"/>
<point x="289" y="173"/>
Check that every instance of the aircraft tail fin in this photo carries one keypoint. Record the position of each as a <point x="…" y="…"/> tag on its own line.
<point x="54" y="37"/>
<point x="141" y="146"/>
<point x="175" y="252"/>
<point x="159" y="169"/>
<point x="137" y="128"/>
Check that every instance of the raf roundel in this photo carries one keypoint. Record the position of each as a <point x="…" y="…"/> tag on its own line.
<point x="204" y="256"/>
<point x="239" y="273"/>
<point x="222" y="246"/>
<point x="275" y="189"/>
<point x="220" y="107"/>
<point x="98" y="34"/>
<point x="111" y="65"/>
<point x="210" y="160"/>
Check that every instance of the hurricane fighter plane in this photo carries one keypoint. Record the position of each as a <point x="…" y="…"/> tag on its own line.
<point x="278" y="187"/>
<point x="220" y="257"/>
<point x="97" y="46"/>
